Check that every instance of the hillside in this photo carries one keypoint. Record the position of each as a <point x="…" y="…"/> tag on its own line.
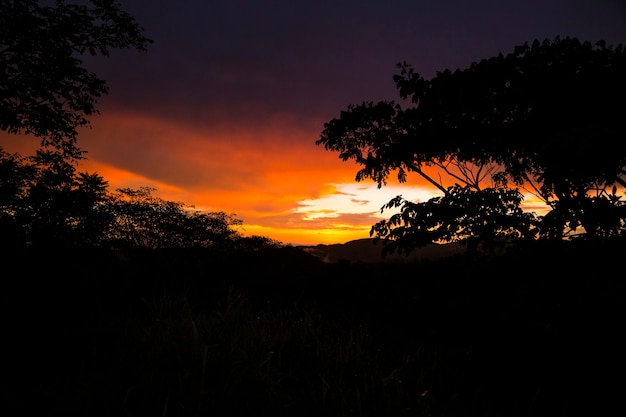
<point x="368" y="250"/>
<point x="536" y="331"/>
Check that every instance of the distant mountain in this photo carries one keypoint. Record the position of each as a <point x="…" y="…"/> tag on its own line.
<point x="368" y="250"/>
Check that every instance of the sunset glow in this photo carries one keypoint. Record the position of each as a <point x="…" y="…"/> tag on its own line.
<point x="295" y="193"/>
<point x="223" y="110"/>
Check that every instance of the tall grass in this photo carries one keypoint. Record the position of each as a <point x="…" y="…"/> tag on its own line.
<point x="235" y="359"/>
<point x="454" y="338"/>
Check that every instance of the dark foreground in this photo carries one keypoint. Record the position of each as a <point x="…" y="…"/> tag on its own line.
<point x="536" y="332"/>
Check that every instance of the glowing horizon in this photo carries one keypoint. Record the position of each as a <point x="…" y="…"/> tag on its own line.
<point x="302" y="195"/>
<point x="223" y="110"/>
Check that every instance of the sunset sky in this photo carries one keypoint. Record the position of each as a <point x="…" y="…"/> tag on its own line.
<point x="223" y="110"/>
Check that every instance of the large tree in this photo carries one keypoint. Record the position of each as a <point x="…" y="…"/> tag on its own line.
<point x="44" y="88"/>
<point x="546" y="118"/>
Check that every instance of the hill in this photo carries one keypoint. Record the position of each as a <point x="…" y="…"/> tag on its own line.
<point x="368" y="250"/>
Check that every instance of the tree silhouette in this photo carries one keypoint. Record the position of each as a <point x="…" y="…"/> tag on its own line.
<point x="15" y="178"/>
<point x="46" y="203"/>
<point x="546" y="119"/>
<point x="60" y="207"/>
<point x="44" y="89"/>
<point x="141" y="220"/>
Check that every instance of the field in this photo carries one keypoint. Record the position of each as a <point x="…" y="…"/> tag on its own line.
<point x="278" y="332"/>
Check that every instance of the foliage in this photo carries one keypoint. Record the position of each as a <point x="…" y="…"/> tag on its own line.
<point x="45" y="202"/>
<point x="141" y="220"/>
<point x="44" y="89"/>
<point x="546" y="118"/>
<point x="14" y="180"/>
<point x="61" y="204"/>
<point x="488" y="218"/>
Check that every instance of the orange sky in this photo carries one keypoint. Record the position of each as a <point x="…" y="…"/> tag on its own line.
<point x="223" y="110"/>
<point x="277" y="182"/>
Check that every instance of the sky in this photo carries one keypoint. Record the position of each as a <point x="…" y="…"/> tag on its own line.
<point x="223" y="110"/>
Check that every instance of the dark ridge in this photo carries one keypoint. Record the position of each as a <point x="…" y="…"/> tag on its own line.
<point x="369" y="250"/>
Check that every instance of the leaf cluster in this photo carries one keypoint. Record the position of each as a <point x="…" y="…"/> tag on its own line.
<point x="44" y="88"/>
<point x="487" y="220"/>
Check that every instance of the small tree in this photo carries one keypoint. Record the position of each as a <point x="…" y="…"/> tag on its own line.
<point x="546" y="118"/>
<point x="141" y="220"/>
<point x="15" y="180"/>
<point x="44" y="201"/>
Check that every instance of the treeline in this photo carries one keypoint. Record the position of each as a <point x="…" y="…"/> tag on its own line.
<point x="46" y="202"/>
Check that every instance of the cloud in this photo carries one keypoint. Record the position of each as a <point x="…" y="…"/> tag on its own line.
<point x="277" y="158"/>
<point x="360" y="202"/>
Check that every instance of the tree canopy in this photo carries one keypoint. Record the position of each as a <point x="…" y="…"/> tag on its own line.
<point x="46" y="203"/>
<point x="546" y="119"/>
<point x="44" y="88"/>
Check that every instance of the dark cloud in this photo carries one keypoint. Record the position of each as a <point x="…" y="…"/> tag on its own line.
<point x="244" y="60"/>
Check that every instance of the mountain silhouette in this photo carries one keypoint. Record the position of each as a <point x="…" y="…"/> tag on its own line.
<point x="369" y="250"/>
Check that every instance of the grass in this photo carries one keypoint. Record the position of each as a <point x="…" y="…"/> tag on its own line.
<point x="92" y="335"/>
<point x="239" y="360"/>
